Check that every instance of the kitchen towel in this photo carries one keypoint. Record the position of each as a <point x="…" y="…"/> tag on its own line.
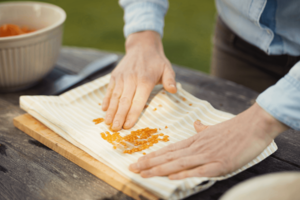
<point x="71" y="116"/>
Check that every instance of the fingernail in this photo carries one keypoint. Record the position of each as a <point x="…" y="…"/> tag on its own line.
<point x="172" y="85"/>
<point x="198" y="122"/>
<point x="108" y="119"/>
<point x="142" y="158"/>
<point x="116" y="125"/>
<point x="127" y="124"/>
<point x="146" y="174"/>
<point x="134" y="167"/>
<point x="173" y="177"/>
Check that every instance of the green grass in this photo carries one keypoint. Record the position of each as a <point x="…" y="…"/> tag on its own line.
<point x="99" y="24"/>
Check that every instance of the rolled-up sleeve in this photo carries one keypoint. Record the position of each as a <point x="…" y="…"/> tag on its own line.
<point x="282" y="100"/>
<point x="141" y="15"/>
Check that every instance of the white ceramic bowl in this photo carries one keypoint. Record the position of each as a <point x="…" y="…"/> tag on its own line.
<point x="27" y="58"/>
<point x="274" y="186"/>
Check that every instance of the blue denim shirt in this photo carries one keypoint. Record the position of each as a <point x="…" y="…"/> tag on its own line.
<point x="282" y="100"/>
<point x="273" y="26"/>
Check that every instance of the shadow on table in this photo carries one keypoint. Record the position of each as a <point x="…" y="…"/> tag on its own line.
<point x="119" y="196"/>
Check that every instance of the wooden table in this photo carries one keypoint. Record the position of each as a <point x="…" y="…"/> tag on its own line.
<point x="30" y="170"/>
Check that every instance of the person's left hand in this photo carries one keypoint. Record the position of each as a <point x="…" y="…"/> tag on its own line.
<point x="214" y="151"/>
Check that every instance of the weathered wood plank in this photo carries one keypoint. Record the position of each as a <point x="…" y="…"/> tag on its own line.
<point x="288" y="147"/>
<point x="269" y="165"/>
<point x="223" y="95"/>
<point x="30" y="170"/>
<point x="40" y="132"/>
<point x="234" y="98"/>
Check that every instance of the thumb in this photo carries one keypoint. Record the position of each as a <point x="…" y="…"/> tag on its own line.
<point x="168" y="80"/>
<point x="199" y="126"/>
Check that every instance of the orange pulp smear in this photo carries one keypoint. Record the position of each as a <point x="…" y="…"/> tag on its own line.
<point x="140" y="139"/>
<point x="7" y="30"/>
<point x="98" y="121"/>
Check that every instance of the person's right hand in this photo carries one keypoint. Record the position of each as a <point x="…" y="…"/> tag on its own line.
<point x="132" y="81"/>
<point x="216" y="150"/>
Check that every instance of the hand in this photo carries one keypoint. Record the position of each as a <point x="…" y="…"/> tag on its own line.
<point x="214" y="151"/>
<point x="131" y="83"/>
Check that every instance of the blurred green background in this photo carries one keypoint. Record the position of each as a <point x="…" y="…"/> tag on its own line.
<point x="99" y="24"/>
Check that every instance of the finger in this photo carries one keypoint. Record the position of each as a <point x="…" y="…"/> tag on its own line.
<point x="108" y="94"/>
<point x="199" y="126"/>
<point x="114" y="101"/>
<point x="144" y="88"/>
<point x="208" y="170"/>
<point x="124" y="104"/>
<point x="180" y="164"/>
<point x="160" y="160"/>
<point x="170" y="148"/>
<point x="168" y="80"/>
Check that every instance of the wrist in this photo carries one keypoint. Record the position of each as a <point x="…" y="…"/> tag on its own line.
<point x="269" y="125"/>
<point x="143" y="40"/>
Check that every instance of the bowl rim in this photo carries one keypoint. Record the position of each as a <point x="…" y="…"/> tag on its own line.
<point x="39" y="31"/>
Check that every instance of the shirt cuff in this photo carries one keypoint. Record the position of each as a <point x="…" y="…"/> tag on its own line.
<point x="144" y="15"/>
<point x="282" y="100"/>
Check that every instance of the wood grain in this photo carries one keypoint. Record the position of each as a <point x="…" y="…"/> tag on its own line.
<point x="29" y="170"/>
<point x="40" y="132"/>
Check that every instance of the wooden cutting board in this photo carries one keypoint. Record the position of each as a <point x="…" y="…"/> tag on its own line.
<point x="43" y="134"/>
